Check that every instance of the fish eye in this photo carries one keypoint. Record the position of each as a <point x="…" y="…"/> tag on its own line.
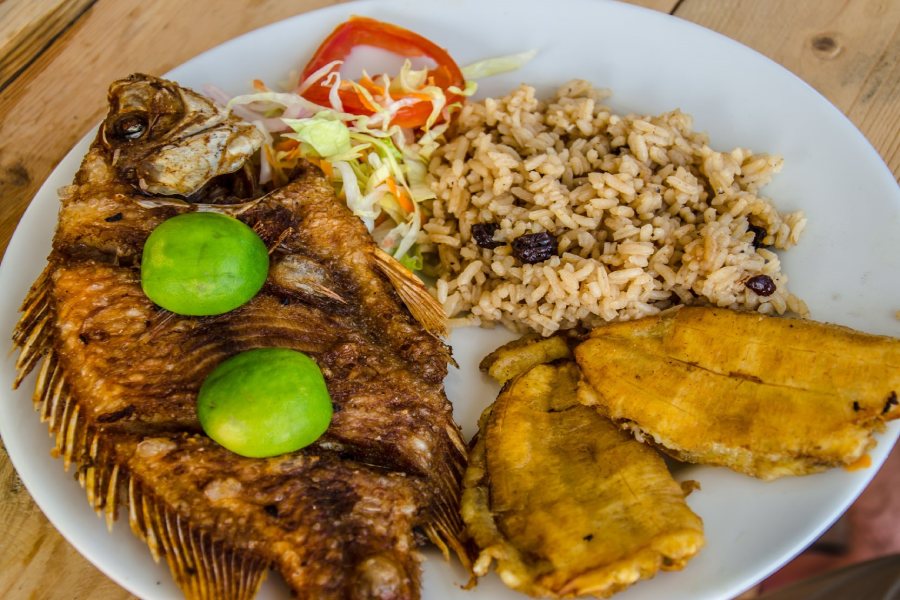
<point x="132" y="126"/>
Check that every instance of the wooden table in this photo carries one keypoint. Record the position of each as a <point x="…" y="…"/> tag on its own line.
<point x="57" y="57"/>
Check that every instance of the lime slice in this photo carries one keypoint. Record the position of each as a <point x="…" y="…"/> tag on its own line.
<point x="203" y="263"/>
<point x="265" y="402"/>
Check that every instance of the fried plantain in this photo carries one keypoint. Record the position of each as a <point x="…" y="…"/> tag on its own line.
<point x="519" y="355"/>
<point x="762" y="395"/>
<point x="565" y="502"/>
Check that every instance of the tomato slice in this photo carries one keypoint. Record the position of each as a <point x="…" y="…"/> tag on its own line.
<point x="363" y="31"/>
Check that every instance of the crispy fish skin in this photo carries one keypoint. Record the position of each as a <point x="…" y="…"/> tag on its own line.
<point x="139" y="368"/>
<point x="565" y="502"/>
<point x="329" y="514"/>
<point x="761" y="395"/>
<point x="327" y="232"/>
<point x="116" y="370"/>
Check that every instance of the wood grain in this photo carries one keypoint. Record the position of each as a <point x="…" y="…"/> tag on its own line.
<point x="36" y="561"/>
<point x="848" y="50"/>
<point x="666" y="6"/>
<point x="29" y="27"/>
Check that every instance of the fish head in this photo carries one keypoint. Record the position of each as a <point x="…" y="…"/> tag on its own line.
<point x="169" y="140"/>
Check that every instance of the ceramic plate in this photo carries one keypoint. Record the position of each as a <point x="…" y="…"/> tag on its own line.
<point x="845" y="267"/>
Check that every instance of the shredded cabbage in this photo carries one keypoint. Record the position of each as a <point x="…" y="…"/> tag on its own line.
<point x="324" y="134"/>
<point x="497" y="65"/>
<point x="377" y="168"/>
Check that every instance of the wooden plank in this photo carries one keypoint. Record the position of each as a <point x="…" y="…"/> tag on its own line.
<point x="849" y="51"/>
<point x="876" y="107"/>
<point x="38" y="124"/>
<point x="36" y="561"/>
<point x="27" y="28"/>
<point x="666" y="6"/>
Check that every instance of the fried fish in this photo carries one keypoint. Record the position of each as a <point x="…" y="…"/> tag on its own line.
<point x="762" y="395"/>
<point x="565" y="502"/>
<point x="118" y="375"/>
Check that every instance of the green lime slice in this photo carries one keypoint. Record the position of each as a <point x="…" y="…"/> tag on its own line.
<point x="265" y="402"/>
<point x="203" y="263"/>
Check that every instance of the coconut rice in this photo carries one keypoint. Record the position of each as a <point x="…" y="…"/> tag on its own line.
<point x="645" y="213"/>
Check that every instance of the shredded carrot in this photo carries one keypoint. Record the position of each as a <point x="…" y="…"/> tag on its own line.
<point x="286" y="144"/>
<point x="323" y="164"/>
<point x="277" y="173"/>
<point x="259" y="86"/>
<point x="392" y="186"/>
<point x="365" y="101"/>
<point x="405" y="202"/>
<point x="370" y="85"/>
<point x="402" y="199"/>
<point x="291" y="154"/>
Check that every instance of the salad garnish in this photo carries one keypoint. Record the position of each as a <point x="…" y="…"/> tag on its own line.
<point x="372" y="136"/>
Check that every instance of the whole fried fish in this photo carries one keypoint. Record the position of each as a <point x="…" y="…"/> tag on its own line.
<point x="119" y="376"/>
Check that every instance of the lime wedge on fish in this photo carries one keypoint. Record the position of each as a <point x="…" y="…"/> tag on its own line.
<point x="203" y="263"/>
<point x="265" y="402"/>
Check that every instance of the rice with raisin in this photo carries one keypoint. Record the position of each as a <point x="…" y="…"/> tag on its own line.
<point x="645" y="215"/>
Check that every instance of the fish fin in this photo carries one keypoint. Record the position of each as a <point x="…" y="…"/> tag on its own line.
<point x="446" y="528"/>
<point x="446" y="540"/>
<point x="447" y="531"/>
<point x="329" y="293"/>
<point x="75" y="440"/>
<point x="32" y="334"/>
<point x="151" y="203"/>
<point x="203" y="568"/>
<point x="51" y="397"/>
<point x="423" y="306"/>
<point x="274" y="245"/>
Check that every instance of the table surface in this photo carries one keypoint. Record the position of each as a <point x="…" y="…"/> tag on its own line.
<point x="849" y="50"/>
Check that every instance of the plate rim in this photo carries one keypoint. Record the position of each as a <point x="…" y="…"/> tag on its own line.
<point x="367" y="6"/>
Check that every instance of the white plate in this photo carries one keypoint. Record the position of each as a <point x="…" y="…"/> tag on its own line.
<point x="846" y="266"/>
